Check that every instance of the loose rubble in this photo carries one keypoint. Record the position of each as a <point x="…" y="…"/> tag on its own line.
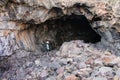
<point x="75" y="60"/>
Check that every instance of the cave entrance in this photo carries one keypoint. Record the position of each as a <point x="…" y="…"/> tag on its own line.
<point x="70" y="27"/>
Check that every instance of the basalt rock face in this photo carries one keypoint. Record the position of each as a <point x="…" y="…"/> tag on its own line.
<point x="19" y="19"/>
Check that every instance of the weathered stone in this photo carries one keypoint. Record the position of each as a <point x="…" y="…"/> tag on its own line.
<point x="37" y="62"/>
<point x="108" y="53"/>
<point x="28" y="77"/>
<point x="19" y="14"/>
<point x="29" y="64"/>
<point x="85" y="72"/>
<point x="90" y="61"/>
<point x="106" y="71"/>
<point x="4" y="79"/>
<point x="98" y="62"/>
<point x="72" y="77"/>
<point x="116" y="78"/>
<point x="60" y="76"/>
<point x="51" y="78"/>
<point x="118" y="73"/>
<point x="55" y="65"/>
<point x="44" y="73"/>
<point x="62" y="61"/>
<point x="99" y="78"/>
<point x="60" y="70"/>
<point x="19" y="75"/>
<point x="81" y="65"/>
<point x="110" y="60"/>
<point x="107" y="60"/>
<point x="20" y="23"/>
<point x="70" y="49"/>
<point x="22" y="54"/>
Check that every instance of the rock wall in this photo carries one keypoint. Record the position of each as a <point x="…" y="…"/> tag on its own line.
<point x="17" y="16"/>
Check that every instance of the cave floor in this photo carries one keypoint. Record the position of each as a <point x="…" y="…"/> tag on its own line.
<point x="75" y="60"/>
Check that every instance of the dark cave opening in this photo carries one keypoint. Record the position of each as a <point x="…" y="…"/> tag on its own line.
<point x="77" y="27"/>
<point x="67" y="28"/>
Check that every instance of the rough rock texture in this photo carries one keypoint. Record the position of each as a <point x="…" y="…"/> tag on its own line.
<point x="20" y="30"/>
<point x="86" y="63"/>
<point x="17" y="15"/>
